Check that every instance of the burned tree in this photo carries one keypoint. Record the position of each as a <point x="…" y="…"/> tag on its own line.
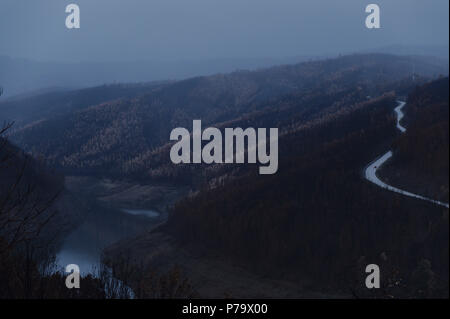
<point x="25" y="204"/>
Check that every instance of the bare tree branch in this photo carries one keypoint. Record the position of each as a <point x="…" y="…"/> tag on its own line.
<point x="24" y="208"/>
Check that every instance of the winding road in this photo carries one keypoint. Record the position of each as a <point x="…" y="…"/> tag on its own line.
<point x="371" y="170"/>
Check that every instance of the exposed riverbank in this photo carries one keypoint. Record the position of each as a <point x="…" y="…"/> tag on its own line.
<point x="116" y="210"/>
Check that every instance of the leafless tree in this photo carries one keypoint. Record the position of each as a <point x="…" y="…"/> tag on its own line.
<point x="24" y="208"/>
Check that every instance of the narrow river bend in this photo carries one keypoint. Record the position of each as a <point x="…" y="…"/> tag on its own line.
<point x="371" y="170"/>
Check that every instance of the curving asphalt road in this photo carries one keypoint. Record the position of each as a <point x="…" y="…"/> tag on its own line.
<point x="371" y="170"/>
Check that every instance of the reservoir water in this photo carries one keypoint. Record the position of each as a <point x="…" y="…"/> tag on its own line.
<point x="101" y="228"/>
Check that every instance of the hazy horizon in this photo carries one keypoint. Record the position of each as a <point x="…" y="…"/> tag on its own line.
<point x="161" y="30"/>
<point x="137" y="41"/>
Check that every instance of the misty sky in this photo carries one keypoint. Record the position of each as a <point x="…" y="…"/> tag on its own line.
<point x="129" y="30"/>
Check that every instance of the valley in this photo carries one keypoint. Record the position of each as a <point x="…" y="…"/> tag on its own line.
<point x="223" y="229"/>
<point x="116" y="210"/>
<point x="202" y="158"/>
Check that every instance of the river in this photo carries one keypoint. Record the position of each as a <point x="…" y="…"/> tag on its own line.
<point x="371" y="170"/>
<point x="83" y="247"/>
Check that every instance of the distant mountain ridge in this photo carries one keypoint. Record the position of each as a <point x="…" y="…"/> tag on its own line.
<point x="113" y="129"/>
<point x="19" y="76"/>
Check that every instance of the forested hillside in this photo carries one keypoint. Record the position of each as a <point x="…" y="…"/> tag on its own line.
<point x="421" y="156"/>
<point x="30" y="222"/>
<point x="119" y="137"/>
<point x="317" y="217"/>
<point x="26" y="110"/>
<point x="28" y="190"/>
<point x="316" y="221"/>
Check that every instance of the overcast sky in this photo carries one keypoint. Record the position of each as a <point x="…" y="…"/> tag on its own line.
<point x="129" y="30"/>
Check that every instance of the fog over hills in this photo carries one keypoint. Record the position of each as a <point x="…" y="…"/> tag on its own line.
<point x="25" y="76"/>
<point x="115" y="129"/>
<point x="163" y="40"/>
<point x="20" y="76"/>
